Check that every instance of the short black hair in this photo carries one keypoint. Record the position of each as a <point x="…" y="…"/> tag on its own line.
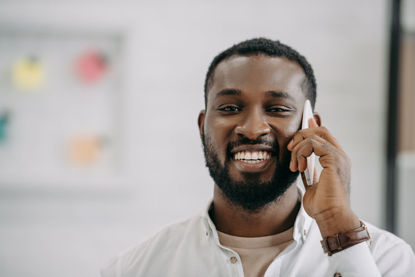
<point x="272" y="48"/>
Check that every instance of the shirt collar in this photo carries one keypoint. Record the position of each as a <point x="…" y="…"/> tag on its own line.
<point x="301" y="225"/>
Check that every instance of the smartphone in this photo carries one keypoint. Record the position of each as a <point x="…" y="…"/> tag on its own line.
<point x="309" y="172"/>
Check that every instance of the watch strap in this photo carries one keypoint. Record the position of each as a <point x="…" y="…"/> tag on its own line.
<point x="341" y="241"/>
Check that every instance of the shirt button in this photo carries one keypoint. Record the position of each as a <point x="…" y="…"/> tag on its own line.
<point x="305" y="232"/>
<point x="337" y="274"/>
<point x="207" y="233"/>
<point x="233" y="259"/>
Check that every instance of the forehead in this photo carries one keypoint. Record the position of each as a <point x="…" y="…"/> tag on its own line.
<point x="258" y="73"/>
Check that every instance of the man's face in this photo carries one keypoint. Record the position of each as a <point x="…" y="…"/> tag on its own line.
<point x="254" y="108"/>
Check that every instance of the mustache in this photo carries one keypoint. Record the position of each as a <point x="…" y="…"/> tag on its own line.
<point x="260" y="141"/>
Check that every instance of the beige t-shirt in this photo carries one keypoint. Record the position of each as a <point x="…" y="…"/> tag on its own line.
<point x="257" y="253"/>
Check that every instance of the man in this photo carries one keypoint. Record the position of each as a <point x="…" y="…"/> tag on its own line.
<point x="262" y="222"/>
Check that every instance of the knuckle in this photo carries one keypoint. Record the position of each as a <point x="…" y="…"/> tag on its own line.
<point x="294" y="139"/>
<point x="300" y="155"/>
<point x="293" y="155"/>
<point x="313" y="140"/>
<point x="299" y="136"/>
<point x="324" y="129"/>
<point x="326" y="146"/>
<point x="307" y="140"/>
<point x="314" y="137"/>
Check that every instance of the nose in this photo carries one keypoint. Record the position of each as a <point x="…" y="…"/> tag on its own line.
<point x="253" y="126"/>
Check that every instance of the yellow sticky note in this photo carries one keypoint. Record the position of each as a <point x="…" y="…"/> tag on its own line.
<point x="28" y="74"/>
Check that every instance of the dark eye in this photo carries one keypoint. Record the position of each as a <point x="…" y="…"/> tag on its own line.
<point x="278" y="109"/>
<point x="229" y="108"/>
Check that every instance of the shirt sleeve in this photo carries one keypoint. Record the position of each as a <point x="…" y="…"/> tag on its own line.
<point x="353" y="261"/>
<point x="399" y="260"/>
<point x="358" y="260"/>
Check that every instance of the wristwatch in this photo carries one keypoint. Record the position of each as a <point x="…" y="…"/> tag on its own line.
<point x="341" y="241"/>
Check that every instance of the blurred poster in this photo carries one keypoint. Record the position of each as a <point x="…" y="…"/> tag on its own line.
<point x="28" y="73"/>
<point x="52" y="130"/>
<point x="91" y="66"/>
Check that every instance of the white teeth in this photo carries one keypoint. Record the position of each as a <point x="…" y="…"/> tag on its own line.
<point x="247" y="155"/>
<point x="252" y="156"/>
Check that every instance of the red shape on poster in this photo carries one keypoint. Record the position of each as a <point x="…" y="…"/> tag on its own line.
<point x="91" y="66"/>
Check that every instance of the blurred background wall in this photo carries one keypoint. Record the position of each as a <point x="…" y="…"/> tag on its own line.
<point x="96" y="160"/>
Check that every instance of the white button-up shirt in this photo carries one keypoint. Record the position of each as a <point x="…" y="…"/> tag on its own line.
<point x="192" y="248"/>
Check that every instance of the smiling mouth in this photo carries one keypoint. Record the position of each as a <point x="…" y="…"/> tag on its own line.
<point x="252" y="157"/>
<point x="252" y="161"/>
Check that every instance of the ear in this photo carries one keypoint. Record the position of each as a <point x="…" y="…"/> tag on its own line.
<point x="201" y="121"/>
<point x="317" y="118"/>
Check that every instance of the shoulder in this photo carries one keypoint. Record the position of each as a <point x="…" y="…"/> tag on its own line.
<point x="160" y="247"/>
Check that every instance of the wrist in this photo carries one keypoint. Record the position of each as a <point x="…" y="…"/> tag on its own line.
<point x="336" y="221"/>
<point x="333" y="244"/>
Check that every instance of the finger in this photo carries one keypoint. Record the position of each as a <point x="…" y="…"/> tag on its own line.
<point x="324" y="149"/>
<point x="305" y="133"/>
<point x="312" y="123"/>
<point x="298" y="137"/>
<point x="297" y="160"/>
<point x="304" y="179"/>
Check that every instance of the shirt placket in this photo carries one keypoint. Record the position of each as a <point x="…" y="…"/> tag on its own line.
<point x="233" y="260"/>
<point x="299" y="235"/>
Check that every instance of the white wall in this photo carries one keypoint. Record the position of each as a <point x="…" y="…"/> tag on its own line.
<point x="72" y="232"/>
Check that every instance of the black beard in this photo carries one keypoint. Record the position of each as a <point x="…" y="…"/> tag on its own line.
<point x="253" y="194"/>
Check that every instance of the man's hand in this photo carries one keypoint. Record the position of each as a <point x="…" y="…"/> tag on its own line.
<point x="327" y="200"/>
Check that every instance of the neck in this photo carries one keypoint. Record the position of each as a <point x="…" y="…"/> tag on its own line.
<point x="272" y="219"/>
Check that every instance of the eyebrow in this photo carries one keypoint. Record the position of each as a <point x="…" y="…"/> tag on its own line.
<point x="226" y="92"/>
<point x="279" y="94"/>
<point x="237" y="92"/>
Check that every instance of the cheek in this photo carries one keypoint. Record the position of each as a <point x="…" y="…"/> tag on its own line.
<point x="286" y="133"/>
<point x="219" y="132"/>
<point x="219" y="128"/>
